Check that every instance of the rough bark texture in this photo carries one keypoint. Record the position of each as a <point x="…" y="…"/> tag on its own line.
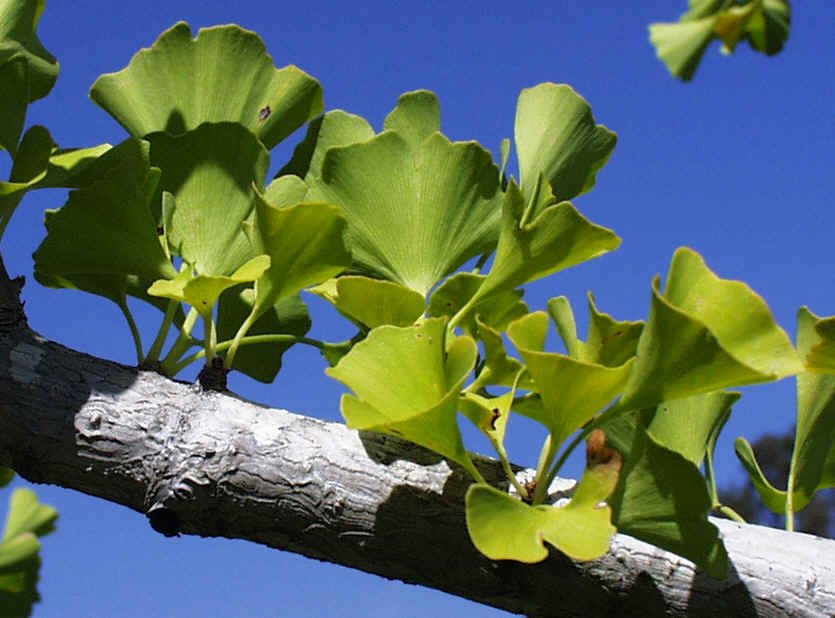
<point x="212" y="464"/>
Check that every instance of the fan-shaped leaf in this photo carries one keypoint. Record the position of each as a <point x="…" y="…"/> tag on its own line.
<point x="556" y="136"/>
<point x="407" y="382"/>
<point x="372" y="302"/>
<point x="225" y="74"/>
<point x="212" y="172"/>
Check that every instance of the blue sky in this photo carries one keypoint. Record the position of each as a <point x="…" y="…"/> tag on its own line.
<point x="736" y="164"/>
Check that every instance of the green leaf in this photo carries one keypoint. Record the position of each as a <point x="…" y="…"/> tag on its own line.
<point x="768" y="29"/>
<point x="813" y="459"/>
<point x="104" y="240"/>
<point x="497" y="311"/>
<point x="680" y="46"/>
<point x="704" y="334"/>
<point x="372" y="302"/>
<point x="260" y="361"/>
<point x="662" y="499"/>
<point x="820" y="358"/>
<point x="6" y="476"/>
<point x="415" y="212"/>
<point x="225" y="74"/>
<point x="14" y="99"/>
<point x="27" y="70"/>
<point x="610" y="342"/>
<point x="499" y="368"/>
<point x="571" y="391"/>
<point x="502" y="527"/>
<point x="407" y="383"/>
<point x="19" y="561"/>
<point x="334" y="128"/>
<point x="686" y="425"/>
<point x="27" y="515"/>
<point x="286" y="191"/>
<point x="773" y="498"/>
<point x="39" y="164"/>
<point x="305" y="244"/>
<point x="489" y="414"/>
<point x="210" y="171"/>
<point x="558" y="238"/>
<point x="203" y="291"/>
<point x="732" y="24"/>
<point x="416" y="117"/>
<point x="556" y="136"/>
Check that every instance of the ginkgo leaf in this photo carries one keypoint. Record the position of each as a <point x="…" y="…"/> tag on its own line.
<point x="497" y="311"/>
<point x="704" y="334"/>
<point x="260" y="361"/>
<point x="27" y="70"/>
<point x="333" y="128"/>
<point x="104" y="239"/>
<point x="415" y="212"/>
<point x="556" y="136"/>
<point x="681" y="45"/>
<point x="372" y="302"/>
<point x="662" y="499"/>
<point x="503" y="527"/>
<point x="407" y="382"/>
<point x="203" y="291"/>
<point x="305" y="244"/>
<point x="212" y="172"/>
<point x="174" y="86"/>
<point x="416" y="117"/>
<point x="610" y="342"/>
<point x="571" y="391"/>
<point x="529" y="249"/>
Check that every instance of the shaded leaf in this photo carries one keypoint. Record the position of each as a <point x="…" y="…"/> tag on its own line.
<point x="210" y="171"/>
<point x="260" y="361"/>
<point x="174" y="86"/>
<point x="662" y="499"/>
<point x="104" y="240"/>
<point x="334" y="128"/>
<point x="556" y="136"/>
<point x="768" y="29"/>
<point x="497" y="311"/>
<point x="772" y="498"/>
<point x="372" y="302"/>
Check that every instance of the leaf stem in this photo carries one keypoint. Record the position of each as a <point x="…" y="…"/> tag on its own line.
<point x="730" y="513"/>
<point x="184" y="342"/>
<point x="549" y="451"/>
<point x="164" y="329"/>
<point x="242" y="331"/>
<point x="134" y="331"/>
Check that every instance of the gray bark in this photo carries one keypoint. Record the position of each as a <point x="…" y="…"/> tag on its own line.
<point x="212" y="464"/>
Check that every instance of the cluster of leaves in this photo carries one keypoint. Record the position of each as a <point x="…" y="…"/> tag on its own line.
<point x="381" y="225"/>
<point x="680" y="45"/>
<point x="20" y="562"/>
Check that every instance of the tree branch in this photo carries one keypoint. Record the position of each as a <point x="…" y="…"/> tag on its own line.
<point x="215" y="465"/>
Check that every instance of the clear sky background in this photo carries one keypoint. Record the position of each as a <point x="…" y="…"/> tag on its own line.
<point x="737" y="164"/>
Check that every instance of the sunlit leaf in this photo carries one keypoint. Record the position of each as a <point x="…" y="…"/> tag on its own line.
<point x="497" y="311"/>
<point x="334" y="128"/>
<point x="662" y="499"/>
<point x="680" y="46"/>
<point x="210" y="171"/>
<point x="407" y="382"/>
<point x="416" y="117"/>
<point x="415" y="212"/>
<point x="203" y="291"/>
<point x="556" y="136"/>
<point x="372" y="302"/>
<point x="610" y="342"/>
<point x="571" y="391"/>
<point x="503" y="527"/>
<point x="558" y="238"/>
<point x="175" y="86"/>
<point x="489" y="414"/>
<point x="704" y="334"/>
<point x="498" y="368"/>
